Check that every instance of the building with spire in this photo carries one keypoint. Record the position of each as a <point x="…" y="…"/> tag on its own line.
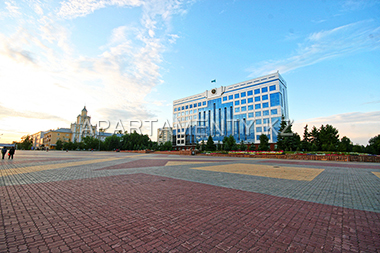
<point x="82" y="127"/>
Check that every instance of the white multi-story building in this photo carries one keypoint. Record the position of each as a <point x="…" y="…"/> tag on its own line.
<point x="245" y="110"/>
<point x="164" y="135"/>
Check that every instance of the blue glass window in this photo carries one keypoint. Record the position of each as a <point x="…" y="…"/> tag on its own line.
<point x="175" y="109"/>
<point x="187" y="107"/>
<point x="237" y="109"/>
<point x="183" y="108"/>
<point x="258" y="137"/>
<point x="224" y="98"/>
<point x="265" y="129"/>
<point x="250" y="107"/>
<point x="237" y="95"/>
<point x="257" y="91"/>
<point x="243" y="94"/>
<point x="250" y="115"/>
<point x="195" y="105"/>
<point x="257" y="99"/>
<point x="249" y="93"/>
<point x="274" y="99"/>
<point x="265" y="89"/>
<point x="272" y="87"/>
<point x="265" y="97"/>
<point x="191" y="106"/>
<point x="257" y="114"/>
<point x="273" y="111"/>
<point x="230" y="97"/>
<point x="243" y="108"/>
<point x="266" y="121"/>
<point x="250" y="100"/>
<point x="265" y="105"/>
<point x="204" y="103"/>
<point x="237" y="102"/>
<point x="243" y="101"/>
<point x="257" y="106"/>
<point x="266" y="113"/>
<point x="258" y="121"/>
<point x="199" y="104"/>
<point x="259" y="129"/>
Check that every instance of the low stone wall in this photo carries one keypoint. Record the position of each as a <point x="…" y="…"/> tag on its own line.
<point x="138" y="151"/>
<point x="338" y="158"/>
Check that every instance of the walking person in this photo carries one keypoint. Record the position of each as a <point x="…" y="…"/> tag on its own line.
<point x="4" y="151"/>
<point x="11" y="152"/>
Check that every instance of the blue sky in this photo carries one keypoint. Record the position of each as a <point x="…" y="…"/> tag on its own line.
<point x="129" y="59"/>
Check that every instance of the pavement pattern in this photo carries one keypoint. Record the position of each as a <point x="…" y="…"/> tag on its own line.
<point x="124" y="202"/>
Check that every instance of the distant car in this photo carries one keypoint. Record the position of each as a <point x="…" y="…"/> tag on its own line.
<point x="117" y="150"/>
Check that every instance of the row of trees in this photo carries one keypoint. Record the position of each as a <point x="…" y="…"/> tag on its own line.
<point x="229" y="143"/>
<point x="127" y="141"/>
<point x="325" y="138"/>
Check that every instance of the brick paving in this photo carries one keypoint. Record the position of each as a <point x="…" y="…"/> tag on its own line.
<point x="85" y="208"/>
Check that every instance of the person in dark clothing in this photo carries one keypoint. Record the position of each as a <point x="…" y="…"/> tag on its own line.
<point x="11" y="152"/>
<point x="4" y="151"/>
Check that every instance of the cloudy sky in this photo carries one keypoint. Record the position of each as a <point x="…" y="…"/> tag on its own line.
<point x="129" y="59"/>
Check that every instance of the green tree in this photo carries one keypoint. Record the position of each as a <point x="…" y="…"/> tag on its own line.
<point x="26" y="142"/>
<point x="112" y="142"/>
<point x="90" y="142"/>
<point x="59" y="145"/>
<point x="232" y="143"/>
<point x="252" y="147"/>
<point x="242" y="146"/>
<point x="314" y="139"/>
<point x="264" y="143"/>
<point x="358" y="148"/>
<point x="329" y="138"/>
<point x="305" y="143"/>
<point x="203" y="146"/>
<point x="286" y="139"/>
<point x="210" y="146"/>
<point x="374" y="145"/>
<point x="167" y="146"/>
<point x="345" y="145"/>
<point x="226" y="147"/>
<point x="281" y="141"/>
<point x="133" y="141"/>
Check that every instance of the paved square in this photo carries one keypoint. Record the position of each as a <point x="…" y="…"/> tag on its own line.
<point x="292" y="173"/>
<point x="120" y="202"/>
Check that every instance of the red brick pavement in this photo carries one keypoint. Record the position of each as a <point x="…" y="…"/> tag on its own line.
<point x="146" y="213"/>
<point x="143" y="163"/>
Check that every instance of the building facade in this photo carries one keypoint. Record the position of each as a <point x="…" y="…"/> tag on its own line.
<point x="52" y="136"/>
<point x="82" y="127"/>
<point x="38" y="140"/>
<point x="164" y="135"/>
<point x="244" y="110"/>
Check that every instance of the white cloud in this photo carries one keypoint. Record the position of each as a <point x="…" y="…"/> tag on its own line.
<point x="323" y="45"/>
<point x="13" y="10"/>
<point x="358" y="126"/>
<point x="57" y="82"/>
<point x="80" y="8"/>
